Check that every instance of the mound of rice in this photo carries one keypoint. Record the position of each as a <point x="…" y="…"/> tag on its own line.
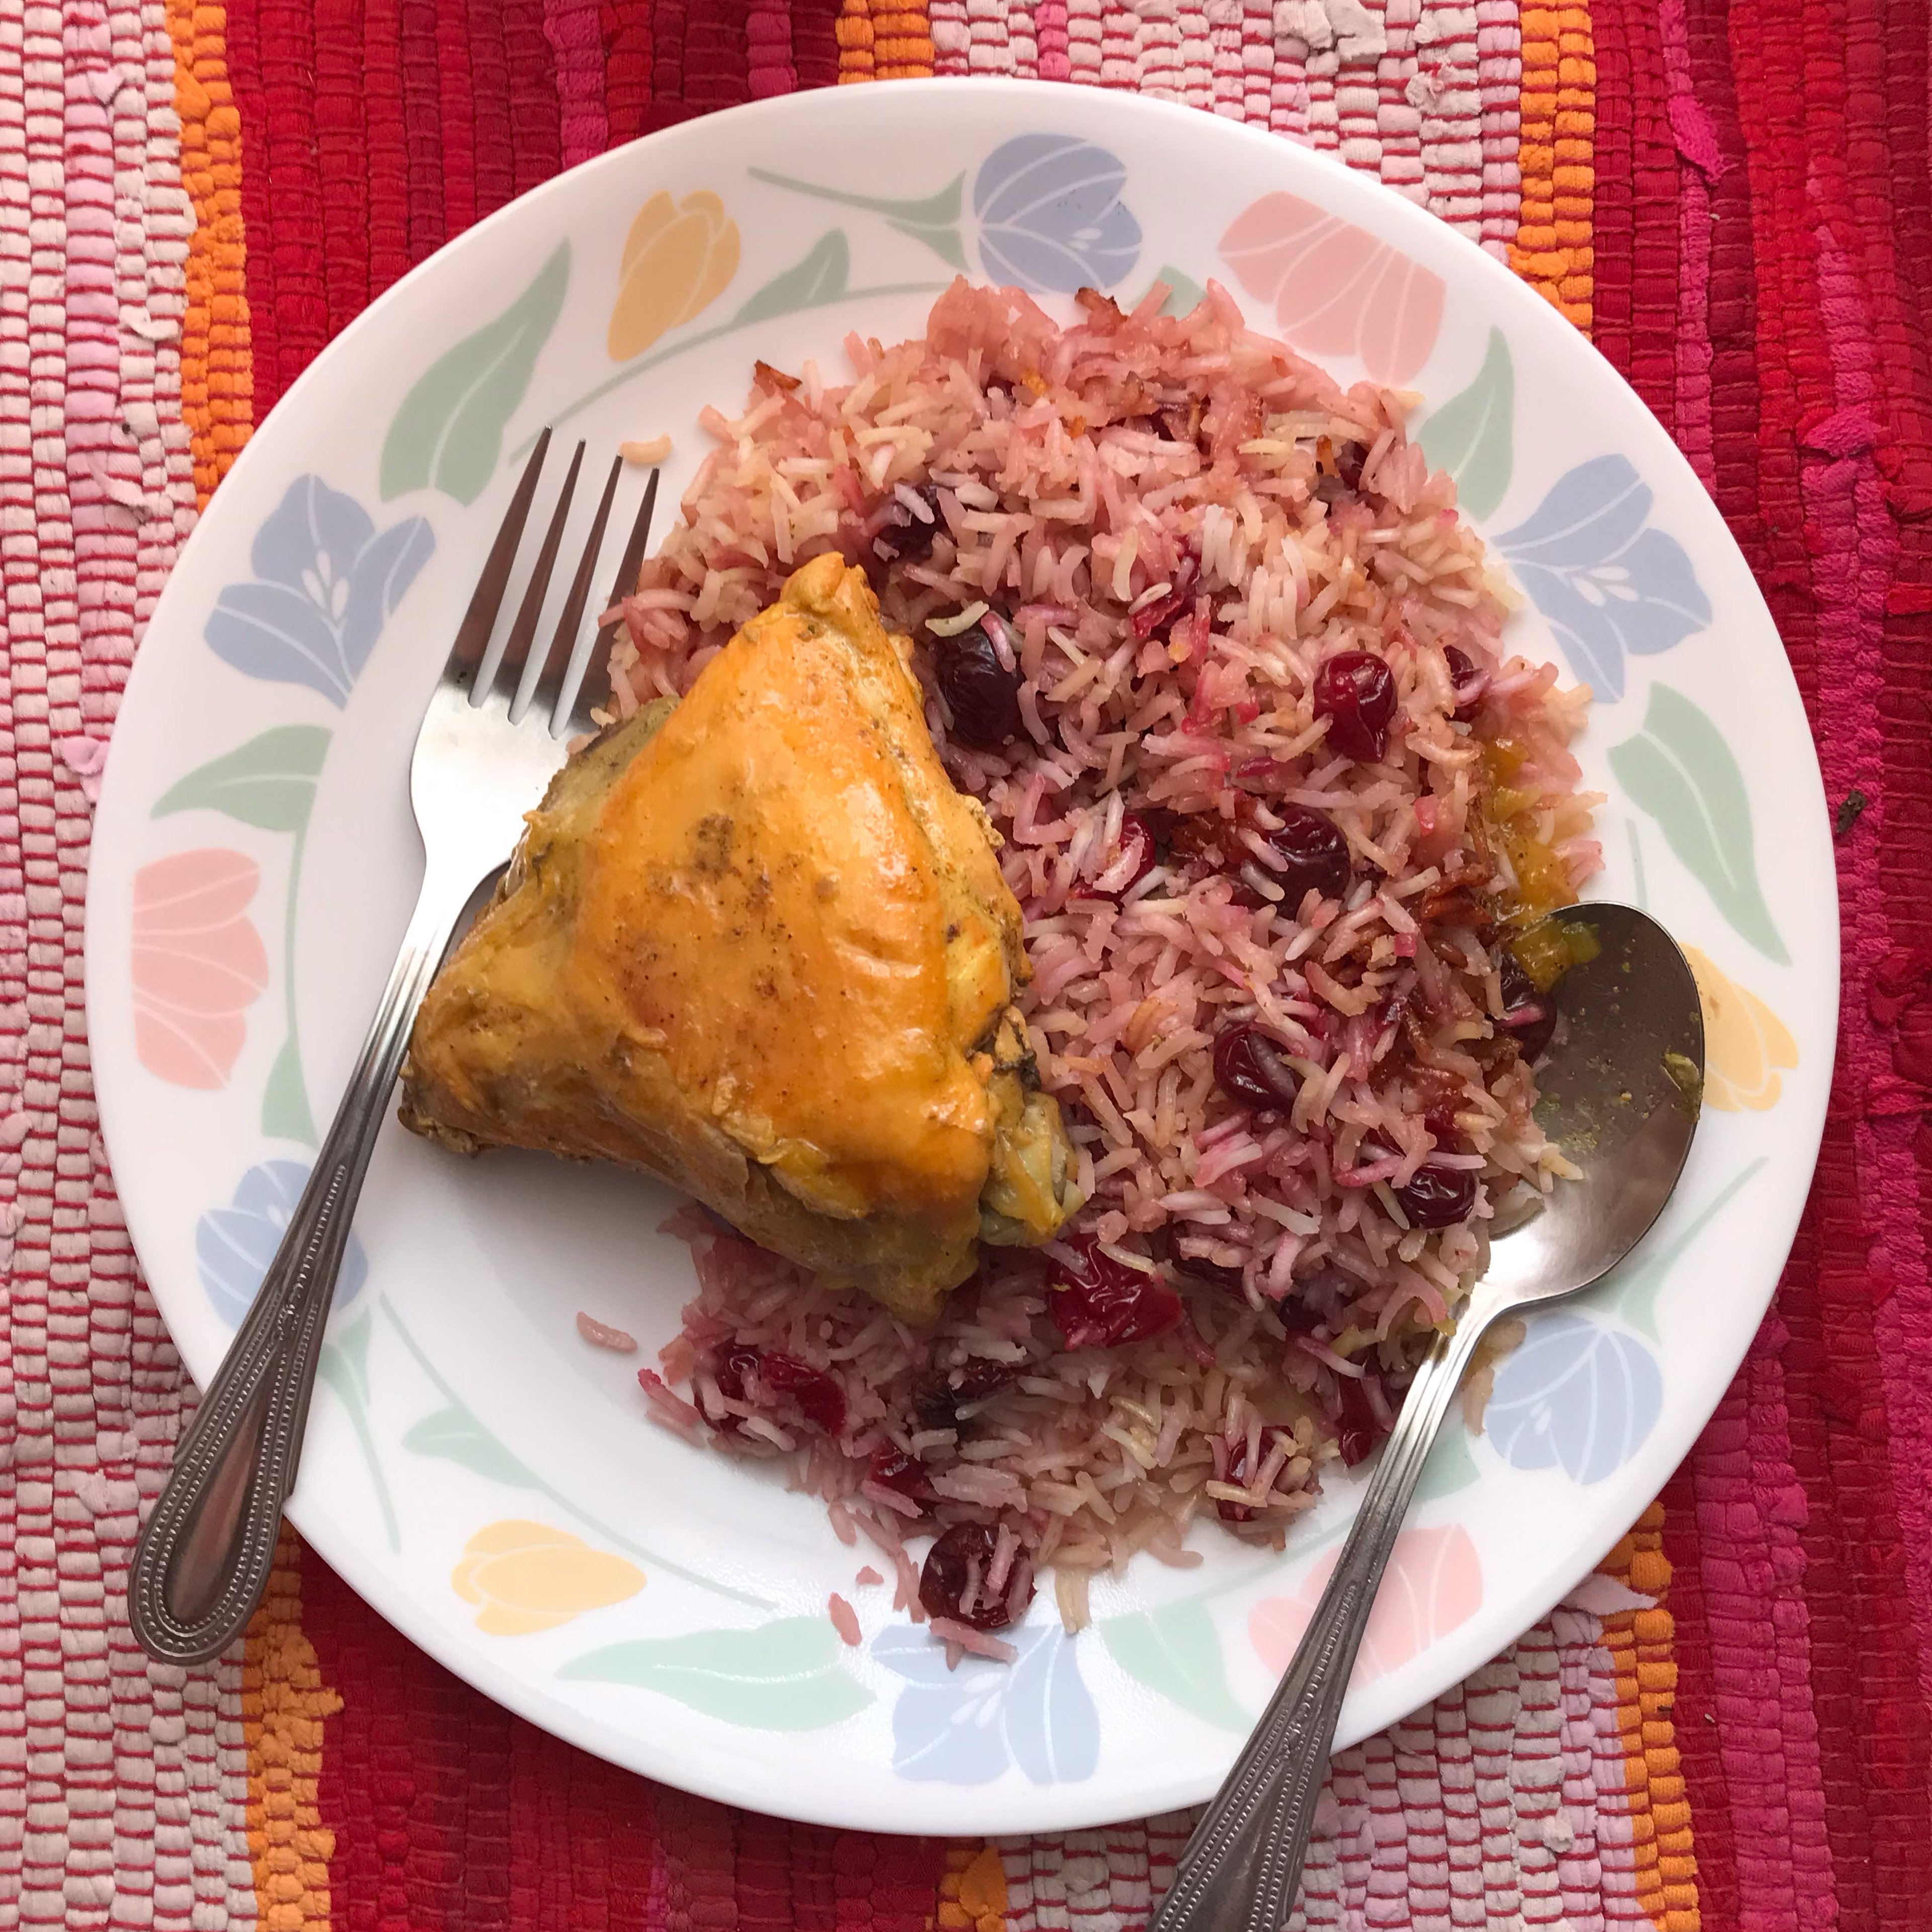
<point x="1162" y="528"/>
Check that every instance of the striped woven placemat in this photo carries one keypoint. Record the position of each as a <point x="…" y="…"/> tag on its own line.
<point x="1729" y="1724"/>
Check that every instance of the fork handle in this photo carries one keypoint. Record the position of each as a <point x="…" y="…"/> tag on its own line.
<point x="204" y="1553"/>
<point x="1243" y="1866"/>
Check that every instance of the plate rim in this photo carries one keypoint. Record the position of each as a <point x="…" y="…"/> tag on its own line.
<point x="1057" y="1808"/>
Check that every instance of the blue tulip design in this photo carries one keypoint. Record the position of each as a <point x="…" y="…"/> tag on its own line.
<point x="1578" y="1395"/>
<point x="966" y="1726"/>
<point x="234" y="1245"/>
<point x="326" y="581"/>
<point x="1051" y="215"/>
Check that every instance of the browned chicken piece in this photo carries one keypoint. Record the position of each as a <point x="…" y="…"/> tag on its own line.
<point x="756" y="944"/>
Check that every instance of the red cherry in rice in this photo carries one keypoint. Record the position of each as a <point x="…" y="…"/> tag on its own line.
<point x="949" y="1567"/>
<point x="1241" y="1475"/>
<point x="1314" y="852"/>
<point x="1101" y="1303"/>
<point x="1249" y="1068"/>
<point x="1355" y="692"/>
<point x="1462" y="674"/>
<point x="1529" y="1016"/>
<point x="1358" y="1428"/>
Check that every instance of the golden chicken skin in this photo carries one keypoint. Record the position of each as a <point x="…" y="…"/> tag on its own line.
<point x="755" y="944"/>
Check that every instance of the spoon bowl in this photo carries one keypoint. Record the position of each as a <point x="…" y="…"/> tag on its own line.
<point x="1620" y="1096"/>
<point x="1620" y="1091"/>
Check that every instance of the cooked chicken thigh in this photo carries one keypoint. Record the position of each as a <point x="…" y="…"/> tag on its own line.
<point x="755" y="944"/>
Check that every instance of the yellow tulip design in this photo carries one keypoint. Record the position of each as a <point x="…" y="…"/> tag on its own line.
<point x="1745" y="1043"/>
<point x="526" y="1576"/>
<point x="676" y="263"/>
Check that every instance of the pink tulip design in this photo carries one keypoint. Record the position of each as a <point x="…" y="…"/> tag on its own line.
<point x="1433" y="1583"/>
<point x="1337" y="290"/>
<point x="199" y="965"/>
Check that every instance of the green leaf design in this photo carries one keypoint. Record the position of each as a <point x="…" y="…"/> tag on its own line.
<point x="1452" y="1462"/>
<point x="269" y="782"/>
<point x="933" y="219"/>
<point x="1177" y="1651"/>
<point x="1680" y="770"/>
<point x="944" y="242"/>
<point x="820" y="278"/>
<point x="1473" y="435"/>
<point x="1184" y="292"/>
<point x="934" y="210"/>
<point x="285" y="1110"/>
<point x="343" y="1367"/>
<point x="457" y="1436"/>
<point x="449" y="431"/>
<point x="782" y="1676"/>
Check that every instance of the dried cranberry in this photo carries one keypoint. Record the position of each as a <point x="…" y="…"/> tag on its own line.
<point x="1241" y="1475"/>
<point x="1314" y="855"/>
<point x="1466" y="681"/>
<point x="958" y="1561"/>
<point x="1530" y="1016"/>
<point x="893" y="1469"/>
<point x="904" y="537"/>
<point x="940" y="1397"/>
<point x="1358" y="1428"/>
<point x="1103" y="1303"/>
<point x="735" y="1368"/>
<point x="765" y="1377"/>
<point x="1202" y="838"/>
<point x="1150" y="617"/>
<point x="1355" y="692"/>
<point x="1435" y="1196"/>
<point x="1249" y="1068"/>
<point x="1349" y="458"/>
<point x="982" y="695"/>
<point x="1197" y="1268"/>
<point x="1138" y="844"/>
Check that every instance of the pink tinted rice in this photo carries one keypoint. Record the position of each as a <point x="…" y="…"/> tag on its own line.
<point x="1081" y="472"/>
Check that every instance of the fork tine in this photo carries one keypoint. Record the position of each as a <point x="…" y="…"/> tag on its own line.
<point x="472" y="634"/>
<point x="517" y="645"/>
<point x="563" y="645"/>
<point x="579" y="699"/>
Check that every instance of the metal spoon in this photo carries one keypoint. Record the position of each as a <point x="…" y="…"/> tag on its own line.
<point x="1620" y="1093"/>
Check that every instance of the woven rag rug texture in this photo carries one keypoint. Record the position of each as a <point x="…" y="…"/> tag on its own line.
<point x="1728" y="1726"/>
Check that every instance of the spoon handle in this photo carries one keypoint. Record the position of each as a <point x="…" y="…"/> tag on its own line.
<point x="1243" y="1865"/>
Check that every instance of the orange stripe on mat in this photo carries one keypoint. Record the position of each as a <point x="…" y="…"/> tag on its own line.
<point x="1553" y="251"/>
<point x="217" y="377"/>
<point x="972" y="1890"/>
<point x="884" y="40"/>
<point x="284" y="1702"/>
<point x="1640" y="1645"/>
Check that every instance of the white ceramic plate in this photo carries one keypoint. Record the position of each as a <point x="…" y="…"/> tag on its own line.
<point x="485" y="1479"/>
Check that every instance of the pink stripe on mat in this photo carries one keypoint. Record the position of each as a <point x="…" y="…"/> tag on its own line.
<point x="1856" y="553"/>
<point x="575" y="30"/>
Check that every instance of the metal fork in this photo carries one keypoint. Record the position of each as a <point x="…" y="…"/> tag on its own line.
<point x="486" y="750"/>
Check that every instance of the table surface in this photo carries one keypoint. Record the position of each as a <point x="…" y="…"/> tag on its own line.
<point x="1731" y="1724"/>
